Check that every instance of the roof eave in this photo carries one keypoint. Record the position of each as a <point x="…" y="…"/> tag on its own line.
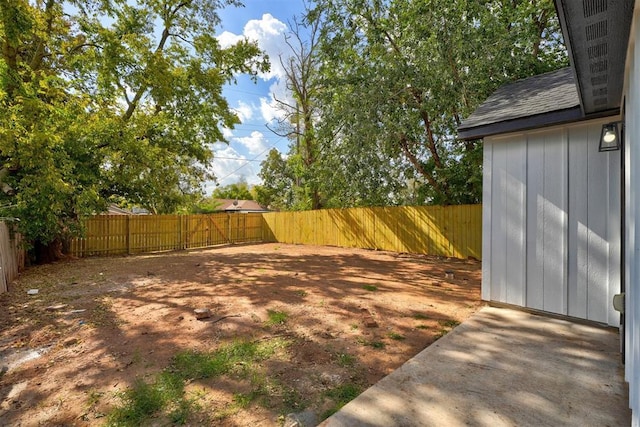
<point x="596" y="35"/>
<point x="553" y="118"/>
<point x="567" y="42"/>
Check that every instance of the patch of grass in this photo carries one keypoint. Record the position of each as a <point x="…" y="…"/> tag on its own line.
<point x="422" y="327"/>
<point x="341" y="395"/>
<point x="143" y="400"/>
<point x="449" y="323"/>
<point x="371" y="288"/>
<point x="243" y="400"/>
<point x="375" y="344"/>
<point x="276" y="317"/>
<point x="292" y="399"/>
<point x="354" y="326"/>
<point x="420" y="316"/>
<point x="195" y="365"/>
<point x="269" y="393"/>
<point x="396" y="336"/>
<point x="166" y="394"/>
<point x="180" y="414"/>
<point x="94" y="397"/>
<point x="345" y="360"/>
<point x="301" y="293"/>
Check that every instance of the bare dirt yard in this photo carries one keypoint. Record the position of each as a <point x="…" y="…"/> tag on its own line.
<point x="292" y="329"/>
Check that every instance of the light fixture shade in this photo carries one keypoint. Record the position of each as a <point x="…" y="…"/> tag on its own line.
<point x="610" y="137"/>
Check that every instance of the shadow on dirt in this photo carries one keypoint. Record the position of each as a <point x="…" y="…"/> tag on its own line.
<point x="140" y="313"/>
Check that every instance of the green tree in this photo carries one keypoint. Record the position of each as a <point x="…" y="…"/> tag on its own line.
<point x="109" y="99"/>
<point x="403" y="73"/>
<point x="278" y="191"/>
<point x="238" y="190"/>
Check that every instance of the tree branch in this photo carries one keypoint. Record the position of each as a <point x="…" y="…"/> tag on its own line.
<point x="38" y="55"/>
<point x="404" y="144"/>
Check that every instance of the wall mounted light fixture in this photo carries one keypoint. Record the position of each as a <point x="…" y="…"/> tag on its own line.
<point x="610" y="137"/>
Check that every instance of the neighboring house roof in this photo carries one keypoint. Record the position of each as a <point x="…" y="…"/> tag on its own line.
<point x="115" y="210"/>
<point x="542" y="100"/>
<point x="235" y="205"/>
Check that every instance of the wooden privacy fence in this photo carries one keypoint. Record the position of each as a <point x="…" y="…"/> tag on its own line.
<point x="131" y="234"/>
<point x="12" y="256"/>
<point x="452" y="231"/>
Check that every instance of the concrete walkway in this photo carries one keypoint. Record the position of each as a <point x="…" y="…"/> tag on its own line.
<point x="502" y="367"/>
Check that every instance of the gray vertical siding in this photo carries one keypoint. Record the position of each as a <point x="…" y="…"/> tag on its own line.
<point x="552" y="222"/>
<point x="632" y="217"/>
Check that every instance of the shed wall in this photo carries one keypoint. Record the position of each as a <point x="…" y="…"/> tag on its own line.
<point x="552" y="222"/>
<point x="632" y="218"/>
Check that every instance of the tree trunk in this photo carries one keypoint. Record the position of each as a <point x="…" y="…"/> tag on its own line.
<point x="47" y="253"/>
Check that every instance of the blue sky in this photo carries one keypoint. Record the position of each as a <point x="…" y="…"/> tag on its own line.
<point x="265" y="21"/>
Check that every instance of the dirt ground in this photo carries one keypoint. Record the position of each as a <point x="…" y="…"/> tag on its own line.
<point x="348" y="317"/>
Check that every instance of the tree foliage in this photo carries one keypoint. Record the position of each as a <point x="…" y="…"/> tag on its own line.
<point x="396" y="77"/>
<point x="279" y="189"/>
<point x="238" y="190"/>
<point x="102" y="99"/>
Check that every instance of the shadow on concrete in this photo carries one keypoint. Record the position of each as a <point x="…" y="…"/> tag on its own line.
<point x="502" y="368"/>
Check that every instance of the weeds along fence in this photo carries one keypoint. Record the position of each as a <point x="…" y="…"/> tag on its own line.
<point x="12" y="256"/>
<point x="452" y="231"/>
<point x="134" y="234"/>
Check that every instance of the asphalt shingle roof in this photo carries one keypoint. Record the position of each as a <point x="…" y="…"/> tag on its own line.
<point x="238" y="205"/>
<point x="544" y="93"/>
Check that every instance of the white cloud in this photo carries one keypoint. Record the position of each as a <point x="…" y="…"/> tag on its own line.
<point x="255" y="143"/>
<point x="227" y="39"/>
<point x="229" y="166"/>
<point x="269" y="33"/>
<point x="244" y="111"/>
<point x="271" y="108"/>
<point x="227" y="133"/>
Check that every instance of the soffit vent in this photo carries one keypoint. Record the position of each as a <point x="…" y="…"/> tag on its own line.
<point x="600" y="92"/>
<point x="596" y="31"/>
<point x="599" y="80"/>
<point x="598" y="50"/>
<point x="599" y="67"/>
<point x="592" y="7"/>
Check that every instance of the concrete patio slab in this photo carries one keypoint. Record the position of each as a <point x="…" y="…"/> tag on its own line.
<point x="502" y="367"/>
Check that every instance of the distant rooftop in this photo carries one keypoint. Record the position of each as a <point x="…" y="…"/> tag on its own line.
<point x="115" y="210"/>
<point x="235" y="205"/>
<point x="542" y="100"/>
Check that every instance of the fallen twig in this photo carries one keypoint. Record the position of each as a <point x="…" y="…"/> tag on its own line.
<point x="224" y="317"/>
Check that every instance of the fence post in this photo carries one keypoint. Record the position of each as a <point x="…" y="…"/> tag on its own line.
<point x="129" y="234"/>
